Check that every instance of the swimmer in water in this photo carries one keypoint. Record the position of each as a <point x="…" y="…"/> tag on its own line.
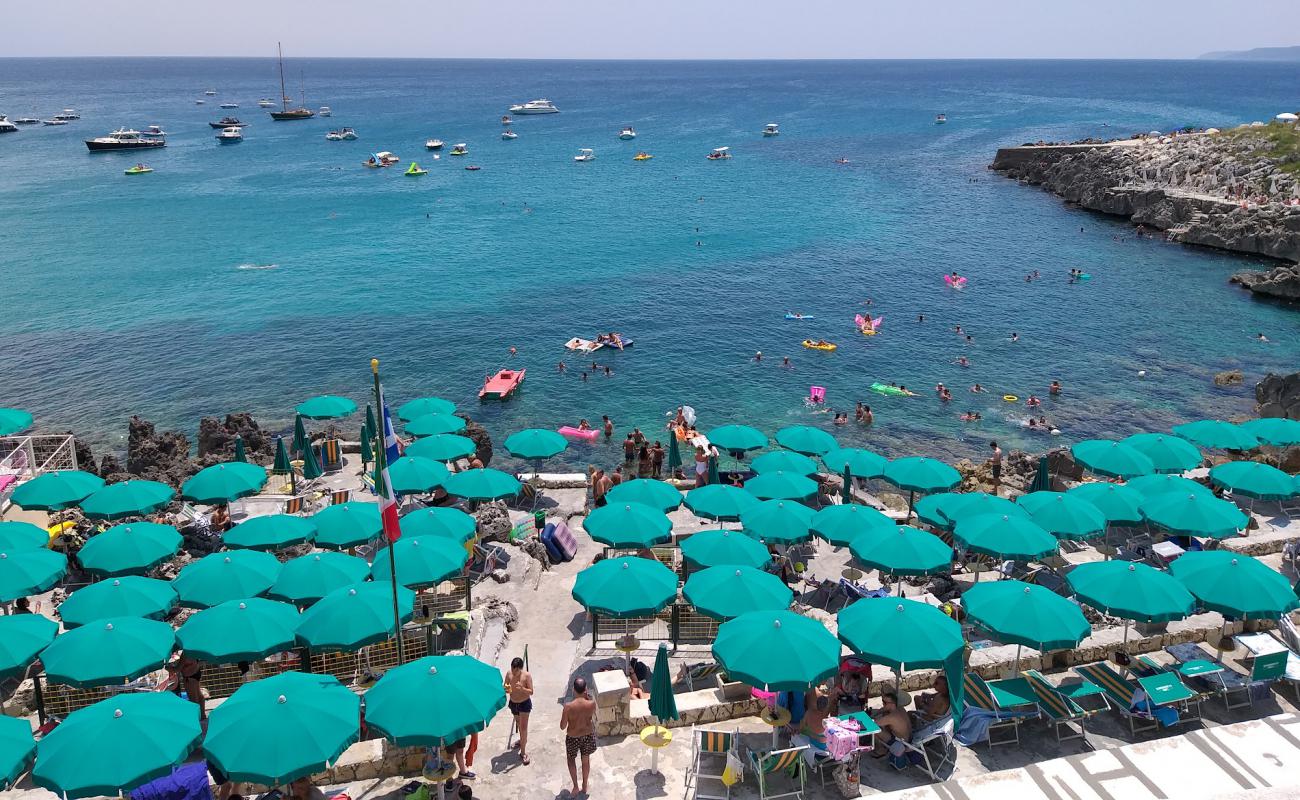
<point x="977" y="389"/>
<point x="1261" y="337"/>
<point x="513" y="351"/>
<point x="956" y="328"/>
<point x="1015" y="337"/>
<point x="1055" y="388"/>
<point x="920" y="318"/>
<point x="963" y="362"/>
<point x="785" y="362"/>
<point x="1033" y="402"/>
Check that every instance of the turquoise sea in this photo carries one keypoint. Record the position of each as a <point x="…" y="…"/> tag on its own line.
<point x="250" y="277"/>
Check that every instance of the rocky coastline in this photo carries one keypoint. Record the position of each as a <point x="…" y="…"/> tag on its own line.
<point x="1235" y="190"/>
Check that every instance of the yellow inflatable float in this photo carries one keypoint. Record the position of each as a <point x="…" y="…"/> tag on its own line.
<point x="822" y="345"/>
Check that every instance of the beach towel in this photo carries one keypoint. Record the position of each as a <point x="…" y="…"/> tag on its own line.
<point x="186" y="782"/>
<point x="976" y="721"/>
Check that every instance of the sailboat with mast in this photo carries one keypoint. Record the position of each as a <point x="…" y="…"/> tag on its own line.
<point x="285" y="113"/>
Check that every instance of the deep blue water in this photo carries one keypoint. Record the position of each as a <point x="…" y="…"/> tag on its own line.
<point x="123" y="295"/>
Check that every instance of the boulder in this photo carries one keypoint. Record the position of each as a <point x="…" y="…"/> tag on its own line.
<point x="217" y="438"/>
<point x="156" y="456"/>
<point x="85" y="456"/>
<point x="493" y="522"/>
<point x="1281" y="282"/>
<point x="109" y="465"/>
<point x="1279" y="395"/>
<point x="1231" y="377"/>
<point x="479" y="435"/>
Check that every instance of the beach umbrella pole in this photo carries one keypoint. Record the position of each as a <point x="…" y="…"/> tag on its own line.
<point x="1016" y="668"/>
<point x="381" y="465"/>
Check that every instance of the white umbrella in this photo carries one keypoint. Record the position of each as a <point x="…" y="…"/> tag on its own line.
<point x="1287" y="116"/>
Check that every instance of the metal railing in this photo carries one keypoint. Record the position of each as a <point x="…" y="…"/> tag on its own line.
<point x="678" y="624"/>
<point x="29" y="456"/>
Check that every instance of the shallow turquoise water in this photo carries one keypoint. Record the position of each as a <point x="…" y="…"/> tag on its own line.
<point x="126" y="295"/>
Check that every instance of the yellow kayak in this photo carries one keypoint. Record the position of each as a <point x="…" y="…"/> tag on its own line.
<point x="811" y="345"/>
<point x="642" y="157"/>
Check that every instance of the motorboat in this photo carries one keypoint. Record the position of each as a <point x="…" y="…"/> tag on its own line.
<point x="719" y="153"/>
<point x="415" y="169"/>
<point x="285" y="113"/>
<point x="771" y="129"/>
<point x="230" y="105"/>
<point x="940" y="119"/>
<point x="139" y="169"/>
<point x="67" y="114"/>
<point x="381" y="159"/>
<point x="505" y="120"/>
<point x="473" y="168"/>
<point x="54" y="121"/>
<point x="627" y="133"/>
<point x="433" y="144"/>
<point x="153" y="130"/>
<point x="210" y="92"/>
<point x="341" y="135"/>
<point x="265" y="103"/>
<point x="6" y="126"/>
<point x="502" y="385"/>
<point x="535" y="107"/>
<point x="231" y="135"/>
<point x="642" y="157"/>
<point x="27" y="121"/>
<point x="200" y="102"/>
<point x="508" y="135"/>
<point x="459" y="150"/>
<point x="227" y="122"/>
<point x="325" y="111"/>
<point x="124" y="139"/>
<point x="585" y="154"/>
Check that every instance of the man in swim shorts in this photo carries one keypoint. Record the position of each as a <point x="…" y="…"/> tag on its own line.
<point x="519" y="688"/>
<point x="996" y="462"/>
<point x="578" y="721"/>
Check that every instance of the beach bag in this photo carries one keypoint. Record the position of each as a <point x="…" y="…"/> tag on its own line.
<point x="734" y="771"/>
<point x="565" y="542"/>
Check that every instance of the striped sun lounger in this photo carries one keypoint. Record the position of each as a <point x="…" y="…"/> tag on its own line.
<point x="1059" y="708"/>
<point x="1121" y="693"/>
<point x="998" y="697"/>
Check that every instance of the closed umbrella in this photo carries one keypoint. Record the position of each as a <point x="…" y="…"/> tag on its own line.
<point x="311" y="468"/>
<point x="117" y="744"/>
<point x="278" y="729"/>
<point x="18" y="749"/>
<point x="1151" y="486"/>
<point x="807" y="440"/>
<point x="1196" y="515"/>
<point x="1276" y="431"/>
<point x="435" y="424"/>
<point x="301" y="442"/>
<point x="127" y="499"/>
<point x="1169" y="454"/>
<point x="127" y="596"/>
<point x="27" y="572"/>
<point x="787" y="461"/>
<point x="1117" y="502"/>
<point x="720" y="502"/>
<point x="628" y="525"/>
<point x="306" y="579"/>
<point x="778" y="521"/>
<point x="327" y="406"/>
<point x="347" y="524"/>
<point x="903" y="551"/>
<point x="421" y="561"/>
<point x="1042" y="477"/>
<point x="434" y="700"/>
<point x="776" y="650"/>
<point x="781" y="485"/>
<point x="22" y="638"/>
<point x="663" y="703"/>
<point x="414" y="409"/>
<point x="270" y="532"/>
<point x="841" y="525"/>
<point x="108" y="651"/>
<point x="860" y="462"/>
<point x="536" y="444"/>
<point x="737" y="438"/>
<point x="1026" y="615"/>
<point x="482" y="484"/>
<point x="281" y="466"/>
<point x="1234" y="585"/>
<point x="55" y="491"/>
<point x="442" y="447"/>
<point x="1112" y="459"/>
<point x="416" y="475"/>
<point x="14" y="421"/>
<point x="367" y="447"/>
<point x="726" y="592"/>
<point x="1004" y="536"/>
<point x="655" y="494"/>
<point x="439" y="522"/>
<point x="717" y="547"/>
<point x="352" y="617"/>
<point x="625" y="587"/>
<point x="239" y="630"/>
<point x="714" y="478"/>
<point x="22" y="536"/>
<point x="231" y="575"/>
<point x="221" y="483"/>
<point x="1214" y="434"/>
<point x="674" y="456"/>
<point x="1254" y="480"/>
<point x="1130" y="590"/>
<point x="371" y="427"/>
<point x="241" y="455"/>
<point x="1064" y="516"/>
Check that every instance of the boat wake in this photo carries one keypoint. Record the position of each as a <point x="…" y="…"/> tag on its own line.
<point x="258" y="266"/>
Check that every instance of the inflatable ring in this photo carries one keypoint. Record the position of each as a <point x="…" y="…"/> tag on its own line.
<point x="1010" y="398"/>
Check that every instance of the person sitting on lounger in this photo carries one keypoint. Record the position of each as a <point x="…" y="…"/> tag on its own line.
<point x="933" y="705"/>
<point x="894" y="724"/>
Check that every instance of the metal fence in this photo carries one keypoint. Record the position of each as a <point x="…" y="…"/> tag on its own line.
<point x="679" y="623"/>
<point x="29" y="456"/>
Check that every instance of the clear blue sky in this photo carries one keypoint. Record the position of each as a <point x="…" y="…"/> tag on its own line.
<point x="652" y="28"/>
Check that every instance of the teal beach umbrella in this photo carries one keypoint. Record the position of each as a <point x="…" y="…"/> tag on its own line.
<point x="327" y="406"/>
<point x="1131" y="590"/>
<point x="435" y="700"/>
<point x="347" y="524"/>
<point x="1024" y="614"/>
<point x="1005" y="536"/>
<point x="737" y="438"/>
<point x="1216" y="434"/>
<point x="239" y="630"/>
<point x="270" y="532"/>
<point x="920" y="474"/>
<point x="841" y="525"/>
<point x="1276" y="431"/>
<point x="306" y="579"/>
<point x="18" y="749"/>
<point x="645" y="491"/>
<point x="231" y="575"/>
<point x="442" y="447"/>
<point x="55" y="491"/>
<point x="728" y="591"/>
<point x="127" y="596"/>
<point x="959" y="506"/>
<point x="663" y="703"/>
<point x="367" y="447"/>
<point x="778" y="521"/>
<point x="1152" y="486"/>
<point x="929" y="509"/>
<point x="439" y="522"/>
<point x="899" y="633"/>
<point x="22" y="536"/>
<point x="1196" y="515"/>
<point x="902" y="551"/>
<point x="421" y="562"/>
<point x="674" y="455"/>
<point x="352" y="617"/>
<point x="221" y="483"/>
<point x="1254" y="480"/>
<point x="720" y="502"/>
<point x="787" y="461"/>
<point x="14" y="421"/>
<point x="416" y="475"/>
<point x="371" y="427"/>
<point x="625" y="587"/>
<point x="108" y="651"/>
<point x="414" y="409"/>
<point x="628" y="525"/>
<point x="435" y="424"/>
<point x="127" y="499"/>
<point x="776" y="650"/>
<point x="1169" y="454"/>
<point x="482" y="484"/>
<point x="28" y="572"/>
<point x="1112" y="459"/>
<point x="1064" y="516"/>
<point x="714" y="548"/>
<point x="1117" y="502"/>
<point x="807" y="440"/>
<point x="311" y="468"/>
<point x="714" y="478"/>
<point x="781" y="486"/>
<point x="860" y="462"/>
<point x="282" y="464"/>
<point x="535" y="444"/>
<point x="1234" y="585"/>
<point x="22" y="638"/>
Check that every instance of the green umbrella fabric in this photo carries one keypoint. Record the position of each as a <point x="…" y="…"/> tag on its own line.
<point x="787" y="461"/>
<point x="371" y="427"/>
<point x="22" y="536"/>
<point x="807" y="440"/>
<point x="842" y="524"/>
<point x="239" y="630"/>
<point x="781" y="485"/>
<point x="645" y="491"/>
<point x="306" y="579"/>
<point x="414" y="409"/>
<point x="1005" y="536"/>
<point x="1196" y="515"/>
<point x="860" y="462"/>
<point x="1234" y="585"/>
<point x="778" y="521"/>
<point x="1255" y="480"/>
<point x="929" y="509"/>
<point x="367" y="446"/>
<point x="1276" y="431"/>
<point x="281" y="465"/>
<point x="733" y="438"/>
<point x="1020" y="613"/>
<point x="14" y="421"/>
<point x="281" y="728"/>
<point x="301" y="441"/>
<point x="434" y="700"/>
<point x="421" y="561"/>
<point x="437" y="522"/>
<point x="117" y="744"/>
<point x="1169" y="454"/>
<point x="108" y="651"/>
<point x="311" y="468"/>
<point x="625" y="587"/>
<point x="776" y="650"/>
<point x="1216" y="434"/>
<point x="535" y="444"/>
<point x="1152" y="486"/>
<point x="221" y="483"/>
<point x="230" y="575"/>
<point x="899" y="633"/>
<point x="959" y="506"/>
<point x="1131" y="590"/>
<point x="347" y="524"/>
<point x="1064" y="516"/>
<point x="920" y="474"/>
<point x="674" y="455"/>
<point x="726" y="592"/>
<point x="18" y="749"/>
<point x="720" y="502"/>
<point x="714" y="548"/>
<point x="127" y="596"/>
<point x="22" y="638"/>
<point x="241" y="454"/>
<point x="327" y="406"/>
<point x="482" y="484"/>
<point x="434" y="424"/>
<point x="1112" y="459"/>
<point x="352" y="617"/>
<point x="1119" y="503"/>
<point x="127" y="499"/>
<point x="1042" y="477"/>
<point x="55" y="491"/>
<point x="28" y="572"/>
<point x="713" y="470"/>
<point x="846" y="486"/>
<point x="442" y="447"/>
<point x="416" y="475"/>
<point x="663" y="703"/>
<point x="270" y="532"/>
<point x="903" y="551"/>
<point x="628" y="525"/>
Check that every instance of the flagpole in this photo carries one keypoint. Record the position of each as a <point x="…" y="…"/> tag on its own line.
<point x="381" y="465"/>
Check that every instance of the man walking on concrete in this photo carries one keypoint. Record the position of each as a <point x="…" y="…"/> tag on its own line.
<point x="578" y="721"/>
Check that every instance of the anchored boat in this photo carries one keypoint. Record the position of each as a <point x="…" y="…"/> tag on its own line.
<point x="501" y="385"/>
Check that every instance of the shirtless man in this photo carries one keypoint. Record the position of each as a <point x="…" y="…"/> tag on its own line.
<point x="600" y="486"/>
<point x="519" y="688"/>
<point x="894" y="724"/>
<point x="578" y="721"/>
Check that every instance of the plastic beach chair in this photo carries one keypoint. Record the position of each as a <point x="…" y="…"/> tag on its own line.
<point x="1122" y="694"/>
<point x="331" y="455"/>
<point x="1060" y="704"/>
<point x="1165" y="686"/>
<point x="931" y="747"/>
<point x="768" y="765"/>
<point x="997" y="697"/>
<point x="340" y="496"/>
<point x="1264" y="645"/>
<point x="691" y="674"/>
<point x="710" y="750"/>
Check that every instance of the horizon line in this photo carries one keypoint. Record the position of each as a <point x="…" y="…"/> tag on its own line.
<point x="1202" y="57"/>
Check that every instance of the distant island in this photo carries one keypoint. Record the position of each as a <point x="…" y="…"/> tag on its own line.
<point x="1257" y="54"/>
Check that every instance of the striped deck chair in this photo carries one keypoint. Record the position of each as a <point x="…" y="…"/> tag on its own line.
<point x="1121" y="693"/>
<point x="768" y="765"/>
<point x="295" y="505"/>
<point x="980" y="695"/>
<point x="1059" y="708"/>
<point x="692" y="674"/>
<point x="1147" y="665"/>
<point x="340" y="496"/>
<point x="331" y="455"/>
<point x="709" y="751"/>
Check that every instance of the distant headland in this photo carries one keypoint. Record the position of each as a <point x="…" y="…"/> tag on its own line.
<point x="1256" y="54"/>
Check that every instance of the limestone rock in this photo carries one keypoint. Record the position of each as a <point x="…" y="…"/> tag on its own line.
<point x="156" y="456"/>
<point x="493" y="522"/>
<point x="217" y="437"/>
<point x="109" y="465"/>
<point x="1231" y="377"/>
<point x="85" y="456"/>
<point x="1279" y="395"/>
<point x="479" y="435"/>
<point x="1282" y="282"/>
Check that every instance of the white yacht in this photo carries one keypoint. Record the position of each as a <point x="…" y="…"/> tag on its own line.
<point x="67" y="114"/>
<point x="719" y="153"/>
<point x="200" y="102"/>
<point x="27" y="121"/>
<point x="325" y="111"/>
<point x="433" y="144"/>
<point x="266" y="102"/>
<point x="6" y="126"/>
<point x="509" y="134"/>
<point x="231" y="135"/>
<point x="230" y="105"/>
<point x="153" y="130"/>
<point x="54" y="122"/>
<point x="627" y="133"/>
<point x="210" y="92"/>
<point x="585" y="154"/>
<point x="123" y="139"/>
<point x="535" y="107"/>
<point x="771" y="129"/>
<point x="341" y="135"/>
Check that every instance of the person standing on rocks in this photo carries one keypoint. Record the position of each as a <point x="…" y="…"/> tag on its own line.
<point x="578" y="721"/>
<point x="995" y="461"/>
<point x="519" y="689"/>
